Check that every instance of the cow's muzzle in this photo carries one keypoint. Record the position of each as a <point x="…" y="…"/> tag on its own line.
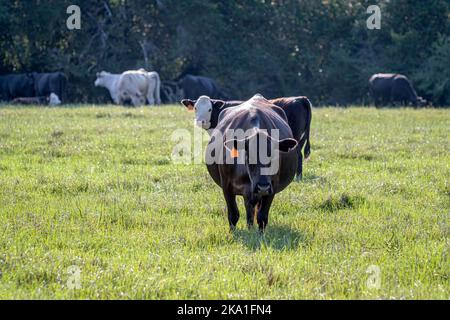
<point x="263" y="189"/>
<point x="203" y="124"/>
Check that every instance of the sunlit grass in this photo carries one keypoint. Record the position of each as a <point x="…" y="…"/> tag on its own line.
<point x="95" y="188"/>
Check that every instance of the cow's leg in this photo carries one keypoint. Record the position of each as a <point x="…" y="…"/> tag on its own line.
<point x="377" y="102"/>
<point x="233" y="211"/>
<point x="151" y="93"/>
<point x="151" y="99"/>
<point x="300" y="162"/>
<point x="250" y="208"/>
<point x="158" y="92"/>
<point x="263" y="212"/>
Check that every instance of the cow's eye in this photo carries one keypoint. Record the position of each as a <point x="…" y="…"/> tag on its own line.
<point x="209" y="110"/>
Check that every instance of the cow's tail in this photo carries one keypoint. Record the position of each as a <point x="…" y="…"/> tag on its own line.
<point x="157" y="88"/>
<point x="414" y="97"/>
<point x="307" y="105"/>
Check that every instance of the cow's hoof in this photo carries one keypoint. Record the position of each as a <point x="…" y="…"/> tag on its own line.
<point x="299" y="178"/>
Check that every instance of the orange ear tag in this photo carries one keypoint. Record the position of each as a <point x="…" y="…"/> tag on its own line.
<point x="234" y="153"/>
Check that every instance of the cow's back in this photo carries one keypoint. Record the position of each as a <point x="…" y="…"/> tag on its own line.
<point x="380" y="82"/>
<point x="196" y="86"/>
<point x="298" y="113"/>
<point x="48" y="83"/>
<point x="380" y="86"/>
<point x="403" y="90"/>
<point x="19" y="85"/>
<point x="133" y="82"/>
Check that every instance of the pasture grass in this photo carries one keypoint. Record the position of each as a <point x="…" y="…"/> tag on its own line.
<point x="93" y="189"/>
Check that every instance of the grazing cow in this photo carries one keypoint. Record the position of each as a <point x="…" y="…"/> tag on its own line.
<point x="252" y="153"/>
<point x="16" y="85"/>
<point x="298" y="111"/>
<point x="196" y="86"/>
<point x="47" y="83"/>
<point x="135" y="86"/>
<point x="52" y="100"/>
<point x="392" y="88"/>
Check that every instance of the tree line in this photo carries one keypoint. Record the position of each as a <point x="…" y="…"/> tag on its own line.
<point x="322" y="49"/>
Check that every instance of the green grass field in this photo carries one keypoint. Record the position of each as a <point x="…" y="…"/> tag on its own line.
<point x="92" y="207"/>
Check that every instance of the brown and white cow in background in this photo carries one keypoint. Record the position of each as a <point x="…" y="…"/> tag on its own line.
<point x="135" y="86"/>
<point x="298" y="111"/>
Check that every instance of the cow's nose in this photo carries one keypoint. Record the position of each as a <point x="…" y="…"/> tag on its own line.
<point x="203" y="124"/>
<point x="264" y="189"/>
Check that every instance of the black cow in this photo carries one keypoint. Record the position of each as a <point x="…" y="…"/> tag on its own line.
<point x="235" y="161"/>
<point x="16" y="85"/>
<point x="392" y="88"/>
<point x="46" y="83"/>
<point x="196" y="86"/>
<point x="298" y="111"/>
<point x="170" y="92"/>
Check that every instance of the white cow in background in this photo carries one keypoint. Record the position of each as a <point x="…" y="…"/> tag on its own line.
<point x="136" y="86"/>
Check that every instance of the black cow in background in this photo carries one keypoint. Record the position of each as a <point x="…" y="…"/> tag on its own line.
<point x="28" y="85"/>
<point x="196" y="86"/>
<point x="16" y="85"/>
<point x="171" y="92"/>
<point x="388" y="88"/>
<point x="46" y="83"/>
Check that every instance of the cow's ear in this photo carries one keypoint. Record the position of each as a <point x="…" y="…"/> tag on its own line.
<point x="234" y="147"/>
<point x="218" y="104"/>
<point x="188" y="103"/>
<point x="287" y="145"/>
<point x="230" y="144"/>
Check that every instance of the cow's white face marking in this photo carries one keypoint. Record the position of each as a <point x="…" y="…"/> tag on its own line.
<point x="203" y="110"/>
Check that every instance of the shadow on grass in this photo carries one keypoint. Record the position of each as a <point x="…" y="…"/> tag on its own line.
<point x="278" y="237"/>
